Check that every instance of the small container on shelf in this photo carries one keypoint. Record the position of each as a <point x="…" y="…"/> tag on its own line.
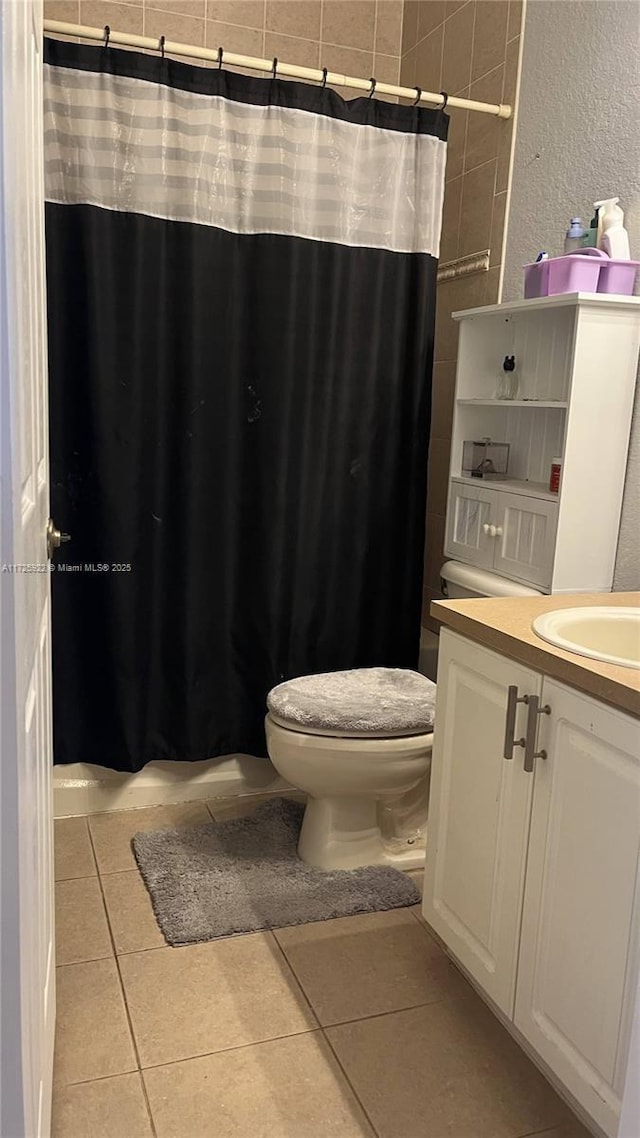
<point x="484" y="458"/>
<point x="554" y="476"/>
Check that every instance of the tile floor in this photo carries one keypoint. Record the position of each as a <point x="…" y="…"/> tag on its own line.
<point x="351" y="1028"/>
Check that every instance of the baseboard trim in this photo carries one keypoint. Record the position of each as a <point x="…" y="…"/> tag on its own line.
<point x="83" y="788"/>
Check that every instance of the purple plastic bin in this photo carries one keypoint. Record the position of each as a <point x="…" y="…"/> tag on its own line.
<point x="618" y="277"/>
<point x="572" y="273"/>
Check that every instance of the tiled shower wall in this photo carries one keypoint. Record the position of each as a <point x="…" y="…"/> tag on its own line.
<point x="354" y="37"/>
<point x="469" y="49"/>
<point x="466" y="47"/>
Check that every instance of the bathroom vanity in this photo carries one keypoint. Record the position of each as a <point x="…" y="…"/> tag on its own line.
<point x="534" y="837"/>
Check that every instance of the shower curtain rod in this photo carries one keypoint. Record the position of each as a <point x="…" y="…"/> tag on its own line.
<point x="288" y="70"/>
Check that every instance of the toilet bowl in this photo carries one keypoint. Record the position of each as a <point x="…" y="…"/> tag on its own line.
<point x="355" y="742"/>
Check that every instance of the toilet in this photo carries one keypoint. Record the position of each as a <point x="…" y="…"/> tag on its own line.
<point x="358" y="743"/>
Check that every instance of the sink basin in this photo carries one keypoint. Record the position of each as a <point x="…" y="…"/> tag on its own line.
<point x="603" y="633"/>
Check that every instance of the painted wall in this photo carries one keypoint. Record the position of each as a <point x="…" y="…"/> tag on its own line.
<point x="578" y="141"/>
<point x="355" y="38"/>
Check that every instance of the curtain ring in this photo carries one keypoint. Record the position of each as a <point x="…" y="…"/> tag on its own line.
<point x="220" y="54"/>
<point x="107" y="34"/>
<point x="324" y="76"/>
<point x="161" y="46"/>
<point x="274" y="67"/>
<point x="445" y="99"/>
<point x="418" y="91"/>
<point x="373" y="87"/>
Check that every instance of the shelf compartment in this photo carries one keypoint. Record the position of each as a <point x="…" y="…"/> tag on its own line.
<point x="510" y="486"/>
<point x="546" y="403"/>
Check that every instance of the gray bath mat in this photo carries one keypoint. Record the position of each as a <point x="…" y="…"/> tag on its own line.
<point x="244" y="875"/>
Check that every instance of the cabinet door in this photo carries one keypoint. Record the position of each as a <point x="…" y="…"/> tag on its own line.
<point x="579" y="956"/>
<point x="479" y="811"/>
<point x="470" y="510"/>
<point x="526" y="537"/>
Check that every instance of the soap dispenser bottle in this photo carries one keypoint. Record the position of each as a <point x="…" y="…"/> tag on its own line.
<point x="507" y="385"/>
<point x="614" y="239"/>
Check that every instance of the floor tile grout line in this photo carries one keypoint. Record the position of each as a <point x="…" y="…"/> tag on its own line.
<point x="134" y="1042"/>
<point x="349" y="1083"/>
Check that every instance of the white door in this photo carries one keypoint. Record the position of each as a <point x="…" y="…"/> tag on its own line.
<point x="480" y="804"/>
<point x="469" y="517"/>
<point x="580" y="953"/>
<point x="525" y="538"/>
<point x="27" y="973"/>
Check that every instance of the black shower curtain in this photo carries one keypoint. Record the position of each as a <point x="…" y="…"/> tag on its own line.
<point x="241" y="290"/>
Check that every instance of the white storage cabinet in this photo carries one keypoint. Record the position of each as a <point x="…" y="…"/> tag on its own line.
<point x="532" y="875"/>
<point x="576" y="362"/>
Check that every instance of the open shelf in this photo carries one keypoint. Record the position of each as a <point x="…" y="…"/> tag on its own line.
<point x="513" y="403"/>
<point x="510" y="486"/>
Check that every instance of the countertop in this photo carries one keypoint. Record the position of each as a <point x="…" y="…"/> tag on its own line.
<point x="504" y="624"/>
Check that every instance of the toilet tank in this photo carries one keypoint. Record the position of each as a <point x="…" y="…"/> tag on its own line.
<point x="459" y="581"/>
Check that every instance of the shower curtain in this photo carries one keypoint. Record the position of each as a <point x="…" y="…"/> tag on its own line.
<point x="241" y="289"/>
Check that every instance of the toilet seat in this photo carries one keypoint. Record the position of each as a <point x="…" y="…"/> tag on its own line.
<point x="362" y="703"/>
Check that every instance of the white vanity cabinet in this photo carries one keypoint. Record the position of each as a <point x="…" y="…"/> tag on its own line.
<point x="532" y="876"/>
<point x="576" y="362"/>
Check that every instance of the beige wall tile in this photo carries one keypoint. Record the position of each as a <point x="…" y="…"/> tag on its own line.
<point x="437" y="476"/>
<point x="408" y="68"/>
<point x="431" y="13"/>
<point x="226" y="993"/>
<point x="82" y="932"/>
<point x="66" y="10"/>
<point x="386" y="68"/>
<point x="347" y="61"/>
<point x="427" y="620"/>
<point x="195" y="8"/>
<point x="514" y="26"/>
<point x="466" y="292"/>
<point x="452" y="6"/>
<point x="131" y="917"/>
<point x="483" y="131"/>
<point x="490" y="37"/>
<point x="434" y="557"/>
<point x="429" y="61"/>
<point x="461" y="1075"/>
<point x="458" y="120"/>
<point x="72" y="849"/>
<point x="92" y="1033"/>
<point x="388" y="27"/>
<point x="249" y="13"/>
<point x="102" y="1109"/>
<point x="451" y="220"/>
<point x="182" y="29"/>
<point x="410" y="24"/>
<point x="351" y="24"/>
<point x="301" y="18"/>
<point x="368" y="964"/>
<point x="119" y="17"/>
<point x="442" y="398"/>
<point x="492" y="286"/>
<point x="458" y="39"/>
<point x="112" y="833"/>
<point x="290" y="49"/>
<point x="477" y="204"/>
<point x="511" y="72"/>
<point x="285" y="1087"/>
<point x="497" y="228"/>
<point x="242" y="41"/>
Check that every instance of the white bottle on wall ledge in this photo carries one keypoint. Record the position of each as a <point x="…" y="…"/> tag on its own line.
<point x="614" y="239"/>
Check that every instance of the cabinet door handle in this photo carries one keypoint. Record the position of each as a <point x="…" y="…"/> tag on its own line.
<point x="498" y="532"/>
<point x="486" y="529"/>
<point x="530" y="753"/>
<point x="510" y="722"/>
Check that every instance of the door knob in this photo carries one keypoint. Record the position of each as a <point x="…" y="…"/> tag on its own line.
<point x="55" y="538"/>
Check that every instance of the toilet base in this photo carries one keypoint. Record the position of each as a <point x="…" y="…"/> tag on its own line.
<point x="343" y="833"/>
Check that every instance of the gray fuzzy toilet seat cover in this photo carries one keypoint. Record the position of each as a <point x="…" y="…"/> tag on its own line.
<point x="364" y="702"/>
